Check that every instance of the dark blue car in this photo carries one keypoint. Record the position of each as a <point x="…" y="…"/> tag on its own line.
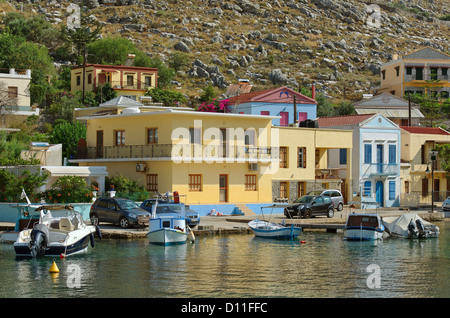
<point x="173" y="209"/>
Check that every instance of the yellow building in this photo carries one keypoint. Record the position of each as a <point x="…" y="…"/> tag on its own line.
<point x="209" y="157"/>
<point x="425" y="71"/>
<point x="417" y="164"/>
<point x="310" y="160"/>
<point x="16" y="86"/>
<point x="129" y="81"/>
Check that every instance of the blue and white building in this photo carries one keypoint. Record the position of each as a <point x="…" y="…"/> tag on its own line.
<point x="289" y="105"/>
<point x="375" y="157"/>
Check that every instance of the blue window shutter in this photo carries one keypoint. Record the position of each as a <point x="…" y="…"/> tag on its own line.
<point x="368" y="153"/>
<point x="391" y="190"/>
<point x="392" y="154"/>
<point x="343" y="156"/>
<point x="367" y="188"/>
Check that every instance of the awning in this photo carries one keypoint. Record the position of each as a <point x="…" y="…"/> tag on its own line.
<point x="58" y="171"/>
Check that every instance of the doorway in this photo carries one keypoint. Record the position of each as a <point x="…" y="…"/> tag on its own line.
<point x="223" y="188"/>
<point x="379" y="193"/>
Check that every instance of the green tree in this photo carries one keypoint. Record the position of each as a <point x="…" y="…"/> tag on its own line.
<point x="11" y="185"/>
<point x="324" y="106"/>
<point x="69" y="189"/>
<point x="444" y="155"/>
<point x="209" y="94"/>
<point x="63" y="107"/>
<point x="178" y="60"/>
<point x="110" y="51"/>
<point x="16" y="53"/>
<point x="104" y="92"/>
<point x="68" y="134"/>
<point x="345" y="108"/>
<point x="168" y="98"/>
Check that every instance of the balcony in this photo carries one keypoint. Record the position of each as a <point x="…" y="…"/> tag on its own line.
<point x="383" y="169"/>
<point x="179" y="153"/>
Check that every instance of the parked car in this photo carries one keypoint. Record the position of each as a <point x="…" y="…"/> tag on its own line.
<point x="122" y="211"/>
<point x="310" y="205"/>
<point x="446" y="204"/>
<point x="335" y="195"/>
<point x="192" y="217"/>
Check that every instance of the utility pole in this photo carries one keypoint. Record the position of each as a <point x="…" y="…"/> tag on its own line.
<point x="295" y="109"/>
<point x="409" y="109"/>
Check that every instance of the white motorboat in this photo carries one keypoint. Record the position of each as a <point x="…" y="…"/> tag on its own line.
<point x="410" y="225"/>
<point x="168" y="230"/>
<point x="267" y="229"/>
<point x="61" y="231"/>
<point x="362" y="227"/>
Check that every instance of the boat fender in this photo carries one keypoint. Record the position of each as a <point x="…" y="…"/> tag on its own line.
<point x="97" y="230"/>
<point x="302" y="242"/>
<point x="92" y="239"/>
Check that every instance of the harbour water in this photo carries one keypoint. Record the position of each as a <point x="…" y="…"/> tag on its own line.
<point x="239" y="266"/>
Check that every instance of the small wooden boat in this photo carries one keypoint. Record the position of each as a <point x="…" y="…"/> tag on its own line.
<point x="267" y="229"/>
<point x="361" y="227"/>
<point x="274" y="230"/>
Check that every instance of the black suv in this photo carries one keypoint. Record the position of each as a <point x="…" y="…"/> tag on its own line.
<point x="120" y="211"/>
<point x="310" y="205"/>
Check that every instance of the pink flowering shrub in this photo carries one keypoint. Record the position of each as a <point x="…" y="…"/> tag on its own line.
<point x="216" y="106"/>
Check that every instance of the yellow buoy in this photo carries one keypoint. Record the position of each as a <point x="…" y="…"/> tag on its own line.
<point x="54" y="268"/>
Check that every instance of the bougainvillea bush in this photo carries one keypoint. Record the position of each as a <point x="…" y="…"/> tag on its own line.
<point x="216" y="106"/>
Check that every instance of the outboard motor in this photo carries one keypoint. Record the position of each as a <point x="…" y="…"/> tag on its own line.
<point x="420" y="228"/>
<point x="412" y="229"/>
<point x="39" y="238"/>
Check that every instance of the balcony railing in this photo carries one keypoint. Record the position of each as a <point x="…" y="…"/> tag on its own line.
<point x="181" y="152"/>
<point x="383" y="169"/>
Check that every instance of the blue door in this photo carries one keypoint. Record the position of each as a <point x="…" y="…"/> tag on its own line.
<point x="379" y="192"/>
<point x="380" y="158"/>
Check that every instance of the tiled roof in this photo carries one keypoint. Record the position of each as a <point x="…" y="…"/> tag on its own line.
<point x="427" y="53"/>
<point x="247" y="97"/>
<point x="425" y="130"/>
<point x="342" y="120"/>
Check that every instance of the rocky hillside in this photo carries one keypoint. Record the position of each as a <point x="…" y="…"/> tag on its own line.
<point x="335" y="43"/>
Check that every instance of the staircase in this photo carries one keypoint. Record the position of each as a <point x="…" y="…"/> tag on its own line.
<point x="244" y="209"/>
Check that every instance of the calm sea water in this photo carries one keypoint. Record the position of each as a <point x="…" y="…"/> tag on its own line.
<point x="241" y="266"/>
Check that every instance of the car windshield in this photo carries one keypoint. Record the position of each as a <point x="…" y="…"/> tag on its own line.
<point x="314" y="192"/>
<point x="127" y="204"/>
<point x="164" y="209"/>
<point x="304" y="199"/>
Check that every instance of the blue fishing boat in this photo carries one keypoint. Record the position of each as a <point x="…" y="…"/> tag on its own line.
<point x="267" y="229"/>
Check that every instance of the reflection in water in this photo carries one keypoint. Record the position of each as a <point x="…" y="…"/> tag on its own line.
<point x="239" y="266"/>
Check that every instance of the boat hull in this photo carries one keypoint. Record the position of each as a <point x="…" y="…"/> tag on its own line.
<point x="275" y="231"/>
<point x="56" y="249"/>
<point x="167" y="236"/>
<point x="363" y="234"/>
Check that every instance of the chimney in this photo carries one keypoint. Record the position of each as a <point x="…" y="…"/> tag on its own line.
<point x="313" y="91"/>
<point x="130" y="60"/>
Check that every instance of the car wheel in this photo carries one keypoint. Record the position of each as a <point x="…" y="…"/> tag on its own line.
<point x="340" y="207"/>
<point x="123" y="222"/>
<point x="94" y="219"/>
<point x="307" y="214"/>
<point x="330" y="212"/>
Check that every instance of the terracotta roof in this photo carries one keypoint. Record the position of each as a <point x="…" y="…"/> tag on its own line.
<point x="247" y="97"/>
<point x="425" y="130"/>
<point x="273" y="95"/>
<point x="342" y="120"/>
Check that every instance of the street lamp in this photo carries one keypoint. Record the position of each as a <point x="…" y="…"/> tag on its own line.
<point x="433" y="157"/>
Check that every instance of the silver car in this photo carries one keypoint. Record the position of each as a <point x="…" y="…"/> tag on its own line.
<point x="335" y="196"/>
<point x="446" y="204"/>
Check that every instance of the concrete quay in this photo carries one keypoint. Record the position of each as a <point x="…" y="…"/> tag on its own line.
<point x="238" y="224"/>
